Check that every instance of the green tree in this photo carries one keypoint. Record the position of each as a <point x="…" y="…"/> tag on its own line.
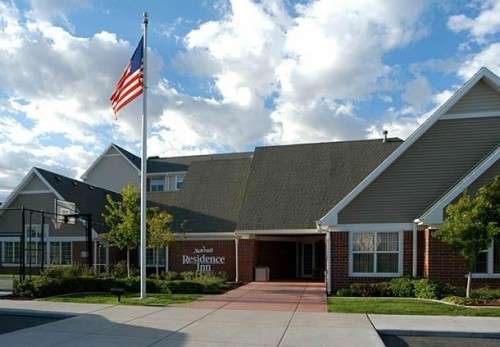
<point x="472" y="224"/>
<point x="124" y="220"/>
<point x="160" y="233"/>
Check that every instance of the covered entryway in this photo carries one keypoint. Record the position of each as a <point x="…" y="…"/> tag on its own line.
<point x="269" y="296"/>
<point x="291" y="258"/>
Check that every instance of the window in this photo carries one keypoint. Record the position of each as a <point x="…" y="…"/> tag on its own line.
<point x="151" y="257"/>
<point x="179" y="180"/>
<point x="60" y="253"/>
<point x="375" y="253"/>
<point x="157" y="184"/>
<point x="34" y="244"/>
<point x="11" y="252"/>
<point x="488" y="261"/>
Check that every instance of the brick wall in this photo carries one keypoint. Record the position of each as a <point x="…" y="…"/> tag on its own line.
<point x="340" y="261"/>
<point x="223" y="248"/>
<point x="443" y="264"/>
<point x="248" y="250"/>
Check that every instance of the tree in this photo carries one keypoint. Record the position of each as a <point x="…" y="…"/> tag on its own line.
<point x="160" y="232"/>
<point x="123" y="218"/>
<point x="472" y="224"/>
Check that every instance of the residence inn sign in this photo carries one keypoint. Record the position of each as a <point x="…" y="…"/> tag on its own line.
<point x="203" y="258"/>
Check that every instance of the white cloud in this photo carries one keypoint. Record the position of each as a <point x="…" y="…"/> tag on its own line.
<point x="486" y="23"/>
<point x="418" y="94"/>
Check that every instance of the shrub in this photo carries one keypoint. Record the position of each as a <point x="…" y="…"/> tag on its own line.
<point x="402" y="287"/>
<point x="172" y="275"/>
<point x="182" y="287"/>
<point x="23" y="289"/>
<point x="188" y="275"/>
<point x="362" y="289"/>
<point x="486" y="294"/>
<point x="343" y="292"/>
<point x="119" y="269"/>
<point x="427" y="289"/>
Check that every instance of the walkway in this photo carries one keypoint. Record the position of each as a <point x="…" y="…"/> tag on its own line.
<point x="269" y="296"/>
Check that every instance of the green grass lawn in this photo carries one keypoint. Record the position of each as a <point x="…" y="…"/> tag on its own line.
<point x="127" y="299"/>
<point x="406" y="307"/>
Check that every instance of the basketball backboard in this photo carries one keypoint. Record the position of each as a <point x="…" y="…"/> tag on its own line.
<point x="64" y="208"/>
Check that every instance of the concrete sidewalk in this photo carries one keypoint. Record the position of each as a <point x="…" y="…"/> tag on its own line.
<point x="123" y="326"/>
<point x="107" y="325"/>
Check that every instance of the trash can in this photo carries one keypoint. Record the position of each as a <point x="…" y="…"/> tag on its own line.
<point x="261" y="274"/>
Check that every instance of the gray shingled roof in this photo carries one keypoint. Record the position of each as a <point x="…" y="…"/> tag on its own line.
<point x="211" y="195"/>
<point x="177" y="164"/>
<point x="290" y="187"/>
<point x="88" y="198"/>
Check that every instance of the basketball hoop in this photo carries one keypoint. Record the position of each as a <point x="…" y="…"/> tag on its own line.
<point x="57" y="223"/>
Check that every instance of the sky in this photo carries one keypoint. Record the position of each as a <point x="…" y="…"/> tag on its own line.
<point x="228" y="75"/>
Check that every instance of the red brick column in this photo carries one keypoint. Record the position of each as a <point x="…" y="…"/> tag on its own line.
<point x="247" y="252"/>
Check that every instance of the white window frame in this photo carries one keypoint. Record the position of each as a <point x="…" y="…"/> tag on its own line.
<point x="489" y="265"/>
<point x="155" y="179"/>
<point x="60" y="253"/>
<point x="376" y="274"/>
<point x="177" y="181"/>
<point x="4" y="261"/>
<point x="152" y="251"/>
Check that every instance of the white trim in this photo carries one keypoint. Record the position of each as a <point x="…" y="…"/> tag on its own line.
<point x="331" y="218"/>
<point x="435" y="214"/>
<point x="371" y="227"/>
<point x="329" y="263"/>
<point x="26" y="179"/>
<point x="291" y="238"/>
<point x="375" y="274"/>
<point x="33" y="192"/>
<point x="278" y="231"/>
<point x="470" y="115"/>
<point x="165" y="173"/>
<point x="207" y="236"/>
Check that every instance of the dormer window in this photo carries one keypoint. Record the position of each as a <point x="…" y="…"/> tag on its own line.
<point x="157" y="184"/>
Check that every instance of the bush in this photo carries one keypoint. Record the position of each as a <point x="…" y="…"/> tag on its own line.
<point x="427" y="289"/>
<point x="181" y="287"/>
<point x="188" y="275"/>
<point x="172" y="275"/>
<point x="68" y="271"/>
<point x="402" y="287"/>
<point x="343" y="292"/>
<point x="486" y="294"/>
<point x="119" y="269"/>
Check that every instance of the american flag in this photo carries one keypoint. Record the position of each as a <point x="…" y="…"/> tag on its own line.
<point x="130" y="84"/>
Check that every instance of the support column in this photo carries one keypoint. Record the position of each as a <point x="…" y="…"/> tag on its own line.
<point x="414" y="251"/>
<point x="328" y="263"/>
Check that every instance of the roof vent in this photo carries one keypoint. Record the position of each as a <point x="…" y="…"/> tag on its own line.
<point x="74" y="183"/>
<point x="58" y="179"/>
<point x="90" y="187"/>
<point x="385" y="132"/>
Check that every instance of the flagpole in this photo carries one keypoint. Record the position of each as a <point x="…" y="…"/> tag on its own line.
<point x="144" y="157"/>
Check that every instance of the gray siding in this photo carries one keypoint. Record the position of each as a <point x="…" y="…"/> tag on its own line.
<point x="10" y="221"/>
<point x="486" y="178"/>
<point x="113" y="173"/>
<point x="35" y="184"/>
<point x="426" y="170"/>
<point x="481" y="98"/>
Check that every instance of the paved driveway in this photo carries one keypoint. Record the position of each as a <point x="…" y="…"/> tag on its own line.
<point x="269" y="296"/>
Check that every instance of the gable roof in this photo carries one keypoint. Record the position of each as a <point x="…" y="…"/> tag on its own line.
<point x="130" y="158"/>
<point x="290" y="186"/>
<point x="211" y="195"/>
<point x="88" y="198"/>
<point x="331" y="218"/>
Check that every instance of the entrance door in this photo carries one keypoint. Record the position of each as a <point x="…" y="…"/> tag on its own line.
<point x="307" y="260"/>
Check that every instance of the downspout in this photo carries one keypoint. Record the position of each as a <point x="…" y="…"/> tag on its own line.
<point x="414" y="252"/>
<point x="236" y="242"/>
